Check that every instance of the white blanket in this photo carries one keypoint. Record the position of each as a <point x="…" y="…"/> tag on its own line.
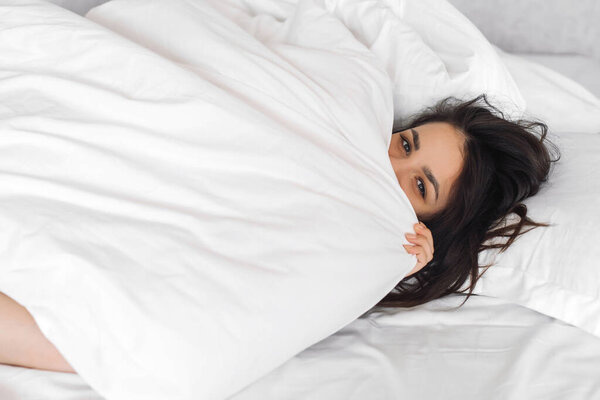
<point x="181" y="225"/>
<point x="513" y="352"/>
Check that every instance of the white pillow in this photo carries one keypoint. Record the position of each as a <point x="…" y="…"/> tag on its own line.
<point x="180" y="226"/>
<point x="431" y="51"/>
<point x="556" y="270"/>
<point x="563" y="104"/>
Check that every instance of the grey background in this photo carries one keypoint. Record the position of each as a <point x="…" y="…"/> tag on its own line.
<point x="538" y="26"/>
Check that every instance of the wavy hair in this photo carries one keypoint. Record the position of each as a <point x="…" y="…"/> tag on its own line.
<point x="505" y="162"/>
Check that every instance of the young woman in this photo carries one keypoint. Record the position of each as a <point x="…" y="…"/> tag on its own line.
<point x="464" y="168"/>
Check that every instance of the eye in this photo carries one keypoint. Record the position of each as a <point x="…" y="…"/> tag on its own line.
<point x="421" y="187"/>
<point x="406" y="145"/>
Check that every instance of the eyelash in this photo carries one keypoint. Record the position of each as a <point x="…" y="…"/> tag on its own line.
<point x="404" y="141"/>
<point x="420" y="183"/>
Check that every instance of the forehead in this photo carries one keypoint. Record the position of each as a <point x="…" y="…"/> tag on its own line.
<point x="441" y="132"/>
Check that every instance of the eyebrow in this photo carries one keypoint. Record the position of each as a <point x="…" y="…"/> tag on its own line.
<point x="433" y="181"/>
<point x="415" y="136"/>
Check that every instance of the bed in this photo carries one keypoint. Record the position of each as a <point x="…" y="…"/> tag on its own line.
<point x="489" y="348"/>
<point x="494" y="346"/>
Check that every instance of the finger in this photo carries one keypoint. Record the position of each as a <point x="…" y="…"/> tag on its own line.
<point x="428" y="255"/>
<point x="422" y="260"/>
<point x="418" y="252"/>
<point x="410" y="249"/>
<point x="420" y="228"/>
<point x="425" y="233"/>
<point x="423" y="242"/>
<point x="419" y="264"/>
<point x="420" y="240"/>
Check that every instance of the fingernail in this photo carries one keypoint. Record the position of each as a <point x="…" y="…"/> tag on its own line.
<point x="410" y="235"/>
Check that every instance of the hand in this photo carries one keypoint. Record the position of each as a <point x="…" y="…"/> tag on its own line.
<point x="422" y="246"/>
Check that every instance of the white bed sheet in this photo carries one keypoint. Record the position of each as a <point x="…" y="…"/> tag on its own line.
<point x="487" y="349"/>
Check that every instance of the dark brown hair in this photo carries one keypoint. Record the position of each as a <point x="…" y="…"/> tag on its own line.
<point x="505" y="162"/>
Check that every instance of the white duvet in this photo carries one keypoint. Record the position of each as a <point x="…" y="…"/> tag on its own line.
<point x="429" y="352"/>
<point x="179" y="225"/>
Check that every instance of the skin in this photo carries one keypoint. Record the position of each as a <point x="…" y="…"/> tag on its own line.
<point x="429" y="152"/>
<point x="22" y="342"/>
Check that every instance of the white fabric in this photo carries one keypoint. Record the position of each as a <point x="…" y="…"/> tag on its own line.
<point x="489" y="347"/>
<point x="409" y="350"/>
<point x="179" y="226"/>
<point x="561" y="103"/>
<point x="447" y="54"/>
<point x="486" y="349"/>
<point x="584" y="70"/>
<point x="78" y="6"/>
<point x="556" y="270"/>
<point x="549" y="283"/>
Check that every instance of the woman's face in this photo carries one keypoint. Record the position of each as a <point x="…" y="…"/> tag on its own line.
<point x="427" y="161"/>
